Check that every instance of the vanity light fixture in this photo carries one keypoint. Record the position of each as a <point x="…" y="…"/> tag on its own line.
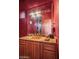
<point x="30" y="22"/>
<point x="32" y="14"/>
<point x="38" y="13"/>
<point x="22" y="15"/>
<point x="35" y="14"/>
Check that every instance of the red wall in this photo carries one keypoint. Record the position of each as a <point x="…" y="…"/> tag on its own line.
<point x="22" y="22"/>
<point x="56" y="19"/>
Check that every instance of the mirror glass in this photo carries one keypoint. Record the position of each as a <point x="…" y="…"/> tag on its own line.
<point x="40" y="19"/>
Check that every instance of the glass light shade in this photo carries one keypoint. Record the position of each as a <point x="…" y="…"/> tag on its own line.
<point x="30" y="22"/>
<point x="32" y="14"/>
<point x="35" y="14"/>
<point x="22" y="15"/>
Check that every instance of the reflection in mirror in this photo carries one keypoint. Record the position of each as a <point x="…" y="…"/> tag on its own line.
<point x="38" y="24"/>
<point x="41" y="20"/>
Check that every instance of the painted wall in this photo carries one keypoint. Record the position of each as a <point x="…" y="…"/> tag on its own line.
<point x="56" y="19"/>
<point x="22" y="22"/>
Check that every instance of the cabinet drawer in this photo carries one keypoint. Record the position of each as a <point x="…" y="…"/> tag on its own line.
<point x="49" y="47"/>
<point x="49" y="55"/>
<point x="22" y="41"/>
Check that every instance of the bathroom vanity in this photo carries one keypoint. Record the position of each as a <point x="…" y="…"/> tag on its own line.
<point x="39" y="48"/>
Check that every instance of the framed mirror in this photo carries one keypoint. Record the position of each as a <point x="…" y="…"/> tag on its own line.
<point x="40" y="18"/>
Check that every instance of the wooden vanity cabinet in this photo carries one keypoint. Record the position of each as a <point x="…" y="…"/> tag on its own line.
<point x="23" y="49"/>
<point x="28" y="48"/>
<point x="34" y="50"/>
<point x="37" y="50"/>
<point x="49" y="51"/>
<point x="49" y="55"/>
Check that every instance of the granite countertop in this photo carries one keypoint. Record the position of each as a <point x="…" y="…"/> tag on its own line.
<point x="39" y="39"/>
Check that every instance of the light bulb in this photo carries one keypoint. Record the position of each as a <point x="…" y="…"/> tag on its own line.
<point x="38" y="13"/>
<point x="32" y="14"/>
<point x="22" y="15"/>
<point x="30" y="22"/>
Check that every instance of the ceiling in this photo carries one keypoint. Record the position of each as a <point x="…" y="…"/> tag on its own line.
<point x="33" y="3"/>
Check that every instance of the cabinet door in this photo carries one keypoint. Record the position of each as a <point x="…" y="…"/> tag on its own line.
<point x="31" y="50"/>
<point x="36" y="47"/>
<point x="23" y="48"/>
<point x="34" y="50"/>
<point x="49" y="55"/>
